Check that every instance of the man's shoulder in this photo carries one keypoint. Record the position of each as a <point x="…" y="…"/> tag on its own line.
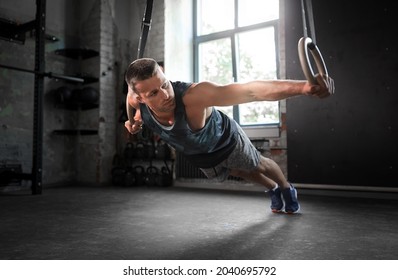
<point x="181" y="83"/>
<point x="182" y="87"/>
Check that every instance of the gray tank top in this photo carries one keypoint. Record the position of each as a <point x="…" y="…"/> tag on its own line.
<point x="204" y="148"/>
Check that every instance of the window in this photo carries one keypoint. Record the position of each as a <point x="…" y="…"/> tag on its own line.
<point x="236" y="41"/>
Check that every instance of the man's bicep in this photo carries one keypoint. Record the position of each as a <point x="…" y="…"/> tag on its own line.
<point x="209" y="94"/>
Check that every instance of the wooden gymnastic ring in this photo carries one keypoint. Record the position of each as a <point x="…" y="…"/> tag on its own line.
<point x="305" y="44"/>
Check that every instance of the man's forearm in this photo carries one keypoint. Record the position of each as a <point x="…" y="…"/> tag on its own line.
<point x="277" y="89"/>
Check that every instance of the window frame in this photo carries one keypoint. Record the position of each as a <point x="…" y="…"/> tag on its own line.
<point x="231" y="34"/>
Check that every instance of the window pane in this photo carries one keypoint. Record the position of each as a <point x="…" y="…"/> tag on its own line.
<point x="256" y="11"/>
<point x="257" y="57"/>
<point x="215" y="65"/>
<point x="257" y="60"/>
<point x="215" y="16"/>
<point x="257" y="113"/>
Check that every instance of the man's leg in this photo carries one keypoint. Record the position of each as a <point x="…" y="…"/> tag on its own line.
<point x="270" y="175"/>
<point x="267" y="174"/>
<point x="254" y="177"/>
<point x="270" y="169"/>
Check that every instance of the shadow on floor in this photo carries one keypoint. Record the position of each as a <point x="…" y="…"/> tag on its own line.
<point x="185" y="223"/>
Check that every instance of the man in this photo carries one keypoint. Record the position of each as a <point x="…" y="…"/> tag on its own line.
<point x="182" y="114"/>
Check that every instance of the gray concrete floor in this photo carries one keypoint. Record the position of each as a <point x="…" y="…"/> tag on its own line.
<point x="108" y="223"/>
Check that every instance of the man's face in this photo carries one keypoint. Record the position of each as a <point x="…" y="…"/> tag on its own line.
<point x="156" y="92"/>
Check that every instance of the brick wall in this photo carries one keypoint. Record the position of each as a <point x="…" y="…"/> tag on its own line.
<point x="108" y="89"/>
<point x="100" y="33"/>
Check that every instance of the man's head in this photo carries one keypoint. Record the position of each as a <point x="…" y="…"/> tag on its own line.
<point x="146" y="79"/>
<point x="139" y="70"/>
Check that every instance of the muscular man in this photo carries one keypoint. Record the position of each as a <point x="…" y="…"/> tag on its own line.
<point x="183" y="115"/>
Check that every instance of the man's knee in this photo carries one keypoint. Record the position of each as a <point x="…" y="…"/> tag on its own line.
<point x="236" y="173"/>
<point x="246" y="174"/>
<point x="265" y="164"/>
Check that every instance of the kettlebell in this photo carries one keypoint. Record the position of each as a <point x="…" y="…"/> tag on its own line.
<point x="163" y="151"/>
<point x="150" y="151"/>
<point x="139" y="174"/>
<point x="129" y="178"/>
<point x="166" y="177"/>
<point x="139" y="150"/>
<point x="129" y="151"/>
<point x="151" y="176"/>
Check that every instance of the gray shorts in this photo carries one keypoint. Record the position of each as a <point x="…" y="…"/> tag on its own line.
<point x="244" y="157"/>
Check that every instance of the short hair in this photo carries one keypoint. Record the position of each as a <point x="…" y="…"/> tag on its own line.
<point x="140" y="69"/>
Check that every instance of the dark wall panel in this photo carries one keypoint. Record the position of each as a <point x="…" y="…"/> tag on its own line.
<point x="350" y="138"/>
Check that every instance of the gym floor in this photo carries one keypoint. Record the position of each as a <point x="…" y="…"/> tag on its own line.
<point x="143" y="223"/>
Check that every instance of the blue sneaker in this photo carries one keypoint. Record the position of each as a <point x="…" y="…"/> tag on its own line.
<point x="292" y="205"/>
<point x="276" y="200"/>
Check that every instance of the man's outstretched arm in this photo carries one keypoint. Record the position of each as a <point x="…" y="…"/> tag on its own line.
<point x="209" y="94"/>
